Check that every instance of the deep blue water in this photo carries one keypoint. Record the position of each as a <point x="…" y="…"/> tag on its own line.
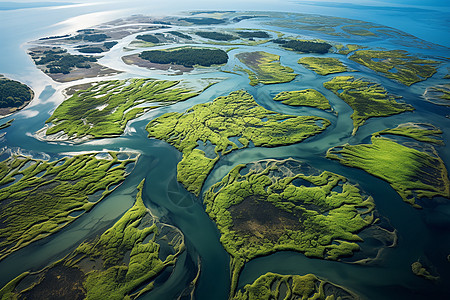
<point x="428" y="20"/>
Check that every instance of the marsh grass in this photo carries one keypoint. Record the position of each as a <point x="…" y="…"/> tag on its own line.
<point x="121" y="263"/>
<point x="323" y="65"/>
<point x="413" y="174"/>
<point x="35" y="207"/>
<point x="235" y="115"/>
<point x="265" y="68"/>
<point x="275" y="286"/>
<point x="263" y="211"/>
<point x="367" y="99"/>
<point x="410" y="69"/>
<point x="104" y="109"/>
<point x="308" y="97"/>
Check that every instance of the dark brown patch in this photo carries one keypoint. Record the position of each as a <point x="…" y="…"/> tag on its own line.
<point x="59" y="283"/>
<point x="251" y="59"/>
<point x="262" y="219"/>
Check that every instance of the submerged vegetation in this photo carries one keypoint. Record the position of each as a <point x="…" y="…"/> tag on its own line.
<point x="14" y="93"/>
<point x="412" y="173"/>
<point x="312" y="25"/>
<point x="187" y="57"/>
<point x="439" y="94"/>
<point x="104" y="109"/>
<point x="347" y="49"/>
<point x="39" y="198"/>
<point x="357" y="30"/>
<point x="272" y="205"/>
<point x="323" y="65"/>
<point x="6" y="124"/>
<point x="367" y="99"/>
<point x="308" y="287"/>
<point x="265" y="68"/>
<point x="308" y="97"/>
<point x="419" y="270"/>
<point x="122" y="263"/>
<point x="396" y="64"/>
<point x="234" y="116"/>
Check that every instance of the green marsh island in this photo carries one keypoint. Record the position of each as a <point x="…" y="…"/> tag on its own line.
<point x="265" y="68"/>
<point x="270" y="286"/>
<point x="397" y="65"/>
<point x="439" y="95"/>
<point x="323" y="65"/>
<point x="113" y="265"/>
<point x="411" y="172"/>
<point x="73" y="185"/>
<point x="367" y="99"/>
<point x="62" y="66"/>
<point x="13" y="95"/>
<point x="108" y="106"/>
<point x="187" y="57"/>
<point x="234" y="116"/>
<point x="270" y="206"/>
<point x="308" y="97"/>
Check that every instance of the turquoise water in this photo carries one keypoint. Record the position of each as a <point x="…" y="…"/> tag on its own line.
<point x="423" y="234"/>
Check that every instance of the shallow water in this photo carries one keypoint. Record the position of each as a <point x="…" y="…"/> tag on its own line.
<point x="422" y="234"/>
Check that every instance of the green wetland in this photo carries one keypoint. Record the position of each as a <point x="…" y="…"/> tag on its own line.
<point x="268" y="174"/>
